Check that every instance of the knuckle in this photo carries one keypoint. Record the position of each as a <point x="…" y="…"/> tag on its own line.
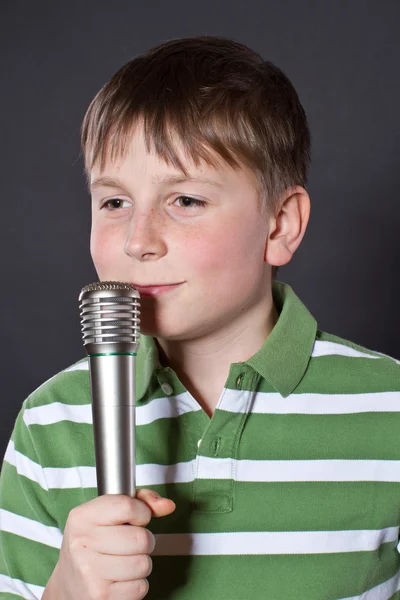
<point x="145" y="565"/>
<point x="77" y="543"/>
<point x="74" y="518"/>
<point x="151" y="542"/>
<point x="85" y="570"/>
<point x="143" y="540"/>
<point x="142" y="588"/>
<point x="77" y="524"/>
<point x="96" y="591"/>
<point x="124" y="505"/>
<point x="72" y="513"/>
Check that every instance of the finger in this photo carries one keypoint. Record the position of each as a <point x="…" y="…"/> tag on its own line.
<point x="132" y="590"/>
<point x="122" y="540"/>
<point x="123" y="568"/>
<point x="111" y="509"/>
<point x="160" y="507"/>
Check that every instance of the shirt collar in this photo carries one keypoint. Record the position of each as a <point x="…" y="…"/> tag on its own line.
<point x="147" y="362"/>
<point x="283" y="358"/>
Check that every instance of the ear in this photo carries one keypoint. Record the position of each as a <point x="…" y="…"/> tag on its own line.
<point x="288" y="226"/>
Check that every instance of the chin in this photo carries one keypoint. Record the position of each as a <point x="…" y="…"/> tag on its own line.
<point x="164" y="323"/>
<point x="167" y="330"/>
<point x="152" y="326"/>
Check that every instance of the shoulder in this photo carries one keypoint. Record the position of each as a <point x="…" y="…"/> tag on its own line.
<point x="328" y="343"/>
<point x="352" y="365"/>
<point x="69" y="386"/>
<point x="50" y="417"/>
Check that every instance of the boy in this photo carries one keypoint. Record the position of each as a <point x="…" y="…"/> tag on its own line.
<point x="273" y="446"/>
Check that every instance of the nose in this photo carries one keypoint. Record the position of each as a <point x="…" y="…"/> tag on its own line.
<point x="145" y="239"/>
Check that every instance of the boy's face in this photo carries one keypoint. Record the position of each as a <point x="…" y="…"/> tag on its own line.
<point x="204" y="259"/>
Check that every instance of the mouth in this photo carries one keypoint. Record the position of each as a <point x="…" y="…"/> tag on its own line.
<point x="155" y="289"/>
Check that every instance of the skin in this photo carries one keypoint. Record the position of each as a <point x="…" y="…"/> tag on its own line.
<point x="100" y="557"/>
<point x="220" y="252"/>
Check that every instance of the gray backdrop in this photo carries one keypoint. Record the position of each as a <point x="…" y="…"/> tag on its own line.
<point x="343" y="58"/>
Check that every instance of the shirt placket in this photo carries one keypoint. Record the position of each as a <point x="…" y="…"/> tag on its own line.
<point x="217" y="449"/>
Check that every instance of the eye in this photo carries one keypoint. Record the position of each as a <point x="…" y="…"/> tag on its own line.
<point x="116" y="203"/>
<point x="189" y="202"/>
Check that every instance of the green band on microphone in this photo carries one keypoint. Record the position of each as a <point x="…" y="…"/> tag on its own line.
<point x="114" y="354"/>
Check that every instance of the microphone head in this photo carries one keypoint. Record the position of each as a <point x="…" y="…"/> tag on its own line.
<point x="110" y="317"/>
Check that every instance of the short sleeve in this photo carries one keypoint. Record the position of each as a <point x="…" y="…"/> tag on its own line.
<point x="30" y="538"/>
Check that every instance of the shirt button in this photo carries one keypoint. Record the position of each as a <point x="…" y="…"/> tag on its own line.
<point x="239" y="380"/>
<point x="166" y="388"/>
<point x="198" y="443"/>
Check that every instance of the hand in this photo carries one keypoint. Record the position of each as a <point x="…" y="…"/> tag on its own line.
<point x="105" y="550"/>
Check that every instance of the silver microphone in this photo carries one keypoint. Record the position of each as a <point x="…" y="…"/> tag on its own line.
<point x="110" y="321"/>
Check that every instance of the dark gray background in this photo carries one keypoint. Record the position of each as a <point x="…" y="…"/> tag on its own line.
<point x="343" y="58"/>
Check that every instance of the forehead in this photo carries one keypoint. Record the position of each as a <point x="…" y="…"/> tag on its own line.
<point x="138" y="156"/>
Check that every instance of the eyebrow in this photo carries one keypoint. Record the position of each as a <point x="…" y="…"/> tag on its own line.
<point x="111" y="182"/>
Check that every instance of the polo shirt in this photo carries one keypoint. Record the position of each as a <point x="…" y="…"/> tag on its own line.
<point x="290" y="491"/>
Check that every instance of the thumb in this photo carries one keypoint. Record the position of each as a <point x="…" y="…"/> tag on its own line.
<point x="160" y="507"/>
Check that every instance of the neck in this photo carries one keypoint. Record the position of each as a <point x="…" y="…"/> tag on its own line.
<point x="203" y="364"/>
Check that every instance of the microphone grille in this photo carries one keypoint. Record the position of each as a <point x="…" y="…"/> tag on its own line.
<point x="110" y="314"/>
<point x="100" y="286"/>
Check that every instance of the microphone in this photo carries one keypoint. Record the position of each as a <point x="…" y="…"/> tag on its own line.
<point x="110" y="321"/>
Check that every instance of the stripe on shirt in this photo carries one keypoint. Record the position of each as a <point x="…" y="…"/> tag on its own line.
<point x="383" y="591"/>
<point x="30" y="529"/>
<point x="265" y="403"/>
<point x="232" y="401"/>
<point x="28" y="591"/>
<point x="159" y="408"/>
<point x="312" y="404"/>
<point x="25" y="466"/>
<point x="80" y="366"/>
<point x="273" y="543"/>
<point x="325" y="348"/>
<point x="298" y="470"/>
<point x="214" y="468"/>
<point x="50" y="477"/>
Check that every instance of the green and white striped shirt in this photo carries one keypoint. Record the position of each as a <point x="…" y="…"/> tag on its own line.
<point x="291" y="491"/>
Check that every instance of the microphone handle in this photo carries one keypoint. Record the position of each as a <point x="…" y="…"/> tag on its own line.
<point x="112" y="382"/>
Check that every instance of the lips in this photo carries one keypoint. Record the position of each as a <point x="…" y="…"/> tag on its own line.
<point x="156" y="289"/>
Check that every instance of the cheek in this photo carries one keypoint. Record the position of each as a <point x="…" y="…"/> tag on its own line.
<point x="226" y="253"/>
<point x="102" y="246"/>
<point x="95" y="245"/>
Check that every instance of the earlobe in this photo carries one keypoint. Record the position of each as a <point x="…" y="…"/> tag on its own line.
<point x="288" y="226"/>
